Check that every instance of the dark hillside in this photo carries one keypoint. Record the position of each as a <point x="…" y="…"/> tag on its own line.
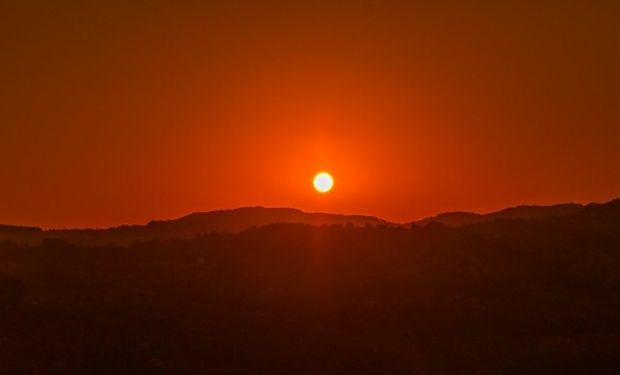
<point x="187" y="227"/>
<point x="507" y="296"/>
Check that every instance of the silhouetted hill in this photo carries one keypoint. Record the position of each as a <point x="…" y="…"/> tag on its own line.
<point x="237" y="220"/>
<point x="189" y="226"/>
<point x="510" y="296"/>
<point x="452" y="219"/>
<point x="20" y="234"/>
<point x="525" y="212"/>
<point x="13" y="229"/>
<point x="243" y="218"/>
<point x="609" y="210"/>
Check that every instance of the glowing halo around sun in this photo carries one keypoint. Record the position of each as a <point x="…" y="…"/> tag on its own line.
<point x="323" y="182"/>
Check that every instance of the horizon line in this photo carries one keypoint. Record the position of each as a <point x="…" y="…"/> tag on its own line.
<point x="43" y="228"/>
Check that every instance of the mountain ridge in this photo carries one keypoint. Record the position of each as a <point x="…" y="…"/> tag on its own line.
<point x="521" y="212"/>
<point x="239" y="219"/>
<point x="185" y="227"/>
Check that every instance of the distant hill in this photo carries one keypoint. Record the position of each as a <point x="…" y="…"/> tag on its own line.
<point x="457" y="219"/>
<point x="20" y="234"/>
<point x="237" y="220"/>
<point x="452" y="219"/>
<point x="242" y="218"/>
<point x="189" y="226"/>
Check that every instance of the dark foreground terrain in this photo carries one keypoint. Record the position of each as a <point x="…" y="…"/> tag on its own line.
<point x="502" y="296"/>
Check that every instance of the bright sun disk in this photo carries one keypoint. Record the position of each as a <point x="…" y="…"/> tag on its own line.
<point x="323" y="182"/>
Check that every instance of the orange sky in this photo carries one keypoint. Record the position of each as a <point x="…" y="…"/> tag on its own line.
<point x="119" y="113"/>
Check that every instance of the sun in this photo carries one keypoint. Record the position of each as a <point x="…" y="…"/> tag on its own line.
<point x="323" y="182"/>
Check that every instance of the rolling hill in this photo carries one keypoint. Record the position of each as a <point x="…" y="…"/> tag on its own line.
<point x="525" y="212"/>
<point x="187" y="227"/>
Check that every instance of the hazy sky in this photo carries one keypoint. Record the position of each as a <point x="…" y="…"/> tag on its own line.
<point x="122" y="111"/>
